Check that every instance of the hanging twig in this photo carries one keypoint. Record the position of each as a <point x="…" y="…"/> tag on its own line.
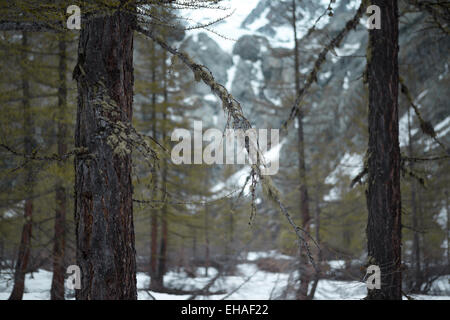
<point x="239" y="121"/>
<point x="426" y="126"/>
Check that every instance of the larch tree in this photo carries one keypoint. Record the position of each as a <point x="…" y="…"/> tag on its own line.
<point x="103" y="188"/>
<point x="38" y="64"/>
<point x="105" y="137"/>
<point x="383" y="191"/>
<point x="415" y="217"/>
<point x="158" y="276"/>
<point x="305" y="267"/>
<point x="57" y="288"/>
<point x="25" y="242"/>
<point x="154" y="213"/>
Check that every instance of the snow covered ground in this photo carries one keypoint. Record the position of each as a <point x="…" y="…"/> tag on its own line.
<point x="350" y="165"/>
<point x="249" y="283"/>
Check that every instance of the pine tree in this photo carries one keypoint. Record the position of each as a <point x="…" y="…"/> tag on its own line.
<point x="38" y="62"/>
<point x="25" y="243"/>
<point x="103" y="188"/>
<point x="57" y="289"/>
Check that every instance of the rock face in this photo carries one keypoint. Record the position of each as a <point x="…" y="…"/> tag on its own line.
<point x="242" y="88"/>
<point x="259" y="69"/>
<point x="207" y="52"/>
<point x="248" y="47"/>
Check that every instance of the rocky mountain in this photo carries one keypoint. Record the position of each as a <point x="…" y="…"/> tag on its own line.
<point x="251" y="53"/>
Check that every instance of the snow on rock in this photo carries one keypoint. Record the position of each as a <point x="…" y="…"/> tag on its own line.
<point x="350" y="165"/>
<point x="443" y="128"/>
<point x="237" y="22"/>
<point x="225" y="32"/>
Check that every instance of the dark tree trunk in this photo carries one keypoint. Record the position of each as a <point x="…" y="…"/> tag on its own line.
<point x="305" y="267"/>
<point x="2" y="250"/>
<point x="194" y="243"/>
<point x="305" y="270"/>
<point x="207" y="258"/>
<point x="154" y="213"/>
<point x="25" y="241"/>
<point x="383" y="194"/>
<point x="415" y="225"/>
<point x="103" y="187"/>
<point x="162" y="262"/>
<point x="317" y="235"/>
<point x="57" y="289"/>
<point x="448" y="227"/>
<point x="153" y="248"/>
<point x="229" y="252"/>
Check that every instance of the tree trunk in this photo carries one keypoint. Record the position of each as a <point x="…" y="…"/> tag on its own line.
<point x="317" y="235"/>
<point x="162" y="263"/>
<point x="230" y="241"/>
<point x="207" y="258"/>
<point x="164" y="233"/>
<point x="305" y="272"/>
<point x="383" y="194"/>
<point x="447" y="207"/>
<point x="25" y="242"/>
<point x="194" y="243"/>
<point x="57" y="289"/>
<point x="305" y="267"/>
<point x="153" y="249"/>
<point x="154" y="213"/>
<point x="415" y="226"/>
<point x="103" y="187"/>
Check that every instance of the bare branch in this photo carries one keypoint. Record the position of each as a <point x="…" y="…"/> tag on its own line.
<point x="312" y="77"/>
<point x="426" y="126"/>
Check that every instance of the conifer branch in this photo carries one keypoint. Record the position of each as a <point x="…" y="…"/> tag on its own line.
<point x="312" y="77"/>
<point x="426" y="126"/>
<point x="235" y="114"/>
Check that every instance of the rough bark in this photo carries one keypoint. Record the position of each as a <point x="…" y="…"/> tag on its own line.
<point x="103" y="187"/>
<point x="25" y="241"/>
<point x="383" y="193"/>
<point x="57" y="289"/>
